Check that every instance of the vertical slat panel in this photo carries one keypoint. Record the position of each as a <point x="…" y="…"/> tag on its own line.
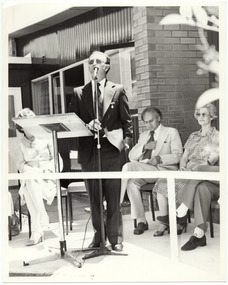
<point x="74" y="39"/>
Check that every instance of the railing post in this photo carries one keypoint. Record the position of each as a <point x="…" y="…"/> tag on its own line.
<point x="172" y="219"/>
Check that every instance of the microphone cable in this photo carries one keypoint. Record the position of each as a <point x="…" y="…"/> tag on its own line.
<point x="83" y="241"/>
<point x="86" y="226"/>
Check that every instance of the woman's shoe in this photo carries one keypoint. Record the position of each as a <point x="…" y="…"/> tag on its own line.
<point x="165" y="220"/>
<point x="180" y="230"/>
<point x="161" y="233"/>
<point x="35" y="239"/>
<point x="161" y="230"/>
<point x="183" y="220"/>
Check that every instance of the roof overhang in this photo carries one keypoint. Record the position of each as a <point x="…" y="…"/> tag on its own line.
<point x="51" y="21"/>
<point x="19" y="60"/>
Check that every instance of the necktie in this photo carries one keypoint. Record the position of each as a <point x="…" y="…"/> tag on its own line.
<point x="147" y="153"/>
<point x="99" y="101"/>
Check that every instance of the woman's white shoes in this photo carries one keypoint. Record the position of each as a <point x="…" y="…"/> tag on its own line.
<point x="35" y="239"/>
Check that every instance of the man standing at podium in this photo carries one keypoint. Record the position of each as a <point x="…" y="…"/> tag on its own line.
<point x="112" y="118"/>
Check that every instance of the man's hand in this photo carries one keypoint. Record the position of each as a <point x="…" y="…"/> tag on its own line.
<point x="155" y="160"/>
<point x="94" y="125"/>
<point x="182" y="168"/>
<point x="34" y="163"/>
<point x="206" y="168"/>
<point x="150" y="145"/>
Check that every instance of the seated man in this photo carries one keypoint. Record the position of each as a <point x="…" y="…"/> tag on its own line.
<point x="158" y="148"/>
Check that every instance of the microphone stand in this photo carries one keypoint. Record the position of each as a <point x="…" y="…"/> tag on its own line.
<point x="103" y="250"/>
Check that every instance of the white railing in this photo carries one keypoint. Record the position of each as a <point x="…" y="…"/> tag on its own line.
<point x="169" y="175"/>
<point x="119" y="174"/>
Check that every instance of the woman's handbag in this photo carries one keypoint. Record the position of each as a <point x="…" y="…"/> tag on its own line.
<point x="14" y="225"/>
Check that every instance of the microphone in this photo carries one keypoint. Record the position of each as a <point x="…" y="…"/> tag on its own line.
<point x="95" y="70"/>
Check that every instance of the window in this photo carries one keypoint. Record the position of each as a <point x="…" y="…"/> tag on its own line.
<point x="52" y="93"/>
<point x="123" y="71"/>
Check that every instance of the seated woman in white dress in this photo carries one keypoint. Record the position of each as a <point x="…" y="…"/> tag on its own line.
<point x="34" y="155"/>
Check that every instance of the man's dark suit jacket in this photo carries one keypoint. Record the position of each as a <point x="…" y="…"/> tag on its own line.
<point x="116" y="120"/>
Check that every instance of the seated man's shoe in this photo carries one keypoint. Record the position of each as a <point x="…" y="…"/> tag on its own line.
<point x="141" y="228"/>
<point x="194" y="242"/>
<point x="117" y="247"/>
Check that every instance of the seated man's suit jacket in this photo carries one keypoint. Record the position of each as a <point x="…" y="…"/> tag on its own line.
<point x="168" y="147"/>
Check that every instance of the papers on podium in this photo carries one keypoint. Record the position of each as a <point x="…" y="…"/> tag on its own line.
<point x="66" y="125"/>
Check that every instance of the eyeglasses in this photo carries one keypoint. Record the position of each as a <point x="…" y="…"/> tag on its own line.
<point x="202" y="114"/>
<point x="150" y="121"/>
<point x="98" y="61"/>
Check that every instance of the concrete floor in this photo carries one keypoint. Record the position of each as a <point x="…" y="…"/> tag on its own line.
<point x="147" y="260"/>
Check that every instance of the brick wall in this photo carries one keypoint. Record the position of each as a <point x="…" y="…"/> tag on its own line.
<point x="165" y="58"/>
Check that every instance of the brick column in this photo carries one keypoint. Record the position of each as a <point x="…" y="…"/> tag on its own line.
<point x="165" y="58"/>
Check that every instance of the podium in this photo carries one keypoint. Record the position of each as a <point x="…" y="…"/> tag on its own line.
<point x="66" y="125"/>
<point x="54" y="127"/>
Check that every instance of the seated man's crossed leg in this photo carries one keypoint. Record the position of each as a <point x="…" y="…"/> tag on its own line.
<point x="133" y="190"/>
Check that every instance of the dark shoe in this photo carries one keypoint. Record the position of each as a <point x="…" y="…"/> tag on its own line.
<point x="117" y="247"/>
<point x="194" y="242"/>
<point x="161" y="233"/>
<point x="94" y="245"/>
<point x="165" y="220"/>
<point x="183" y="228"/>
<point x="183" y="220"/>
<point x="141" y="228"/>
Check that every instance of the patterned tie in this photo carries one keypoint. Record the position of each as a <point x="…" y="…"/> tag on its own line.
<point x="100" y="102"/>
<point x="147" y="153"/>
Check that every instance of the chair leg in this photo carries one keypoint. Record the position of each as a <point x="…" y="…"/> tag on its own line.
<point x="70" y="210"/>
<point x="152" y="206"/>
<point x="66" y="205"/>
<point x="19" y="210"/>
<point x="20" y="217"/>
<point x="9" y="228"/>
<point x="62" y="211"/>
<point x="189" y="216"/>
<point x="29" y="224"/>
<point x="211" y="222"/>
